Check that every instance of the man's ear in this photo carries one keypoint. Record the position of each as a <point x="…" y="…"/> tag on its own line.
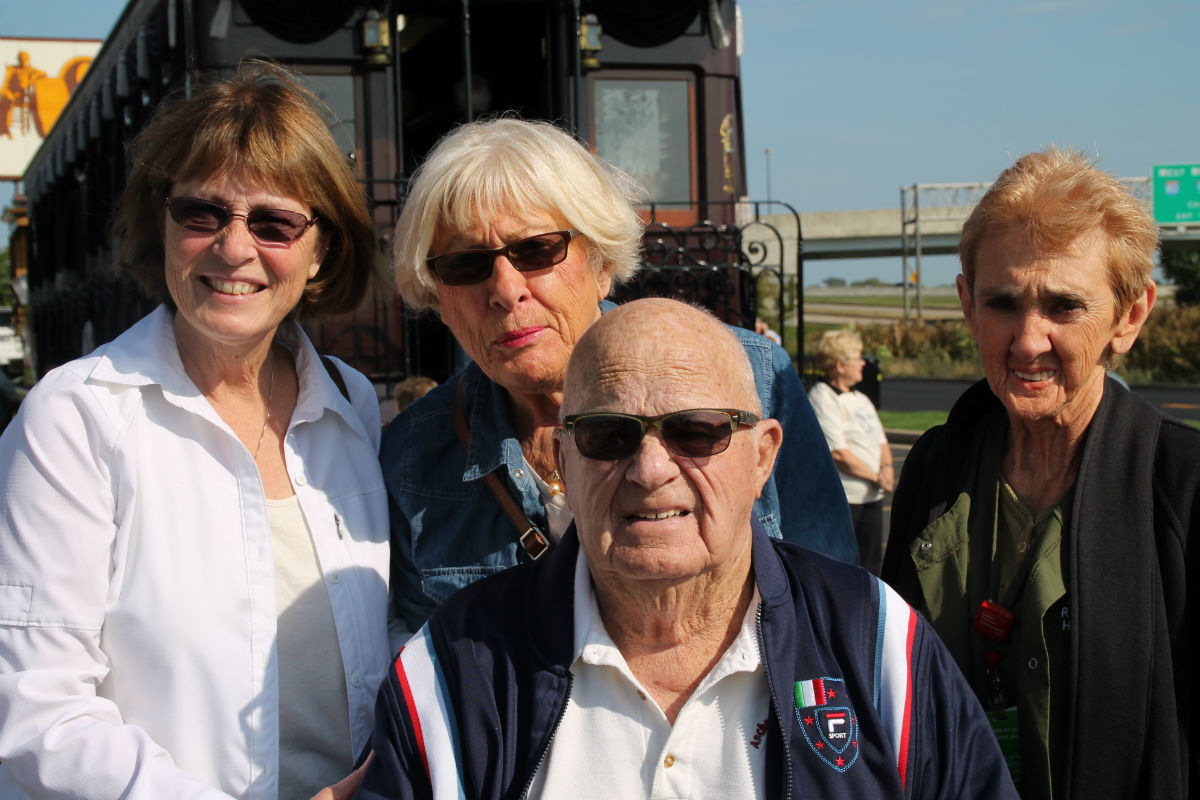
<point x="770" y="439"/>
<point x="1131" y="322"/>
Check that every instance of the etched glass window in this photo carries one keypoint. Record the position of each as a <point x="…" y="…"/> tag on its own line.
<point x="643" y="127"/>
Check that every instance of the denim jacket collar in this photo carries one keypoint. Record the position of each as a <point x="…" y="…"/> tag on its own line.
<point x="493" y="438"/>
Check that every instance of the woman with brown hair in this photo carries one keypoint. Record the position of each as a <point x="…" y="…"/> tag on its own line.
<point x="194" y="525"/>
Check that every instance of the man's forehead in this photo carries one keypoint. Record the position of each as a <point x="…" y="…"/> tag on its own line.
<point x="644" y="373"/>
<point x="654" y="346"/>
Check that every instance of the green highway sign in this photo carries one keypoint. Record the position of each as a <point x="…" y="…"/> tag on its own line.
<point x="1177" y="194"/>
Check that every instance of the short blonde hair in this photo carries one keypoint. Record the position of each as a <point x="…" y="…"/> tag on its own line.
<point x="487" y="168"/>
<point x="1056" y="196"/>
<point x="835" y="346"/>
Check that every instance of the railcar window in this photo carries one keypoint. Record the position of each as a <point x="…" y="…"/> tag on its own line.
<point x="337" y="92"/>
<point x="644" y="127"/>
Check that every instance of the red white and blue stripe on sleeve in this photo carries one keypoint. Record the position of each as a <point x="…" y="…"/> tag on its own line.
<point x="894" y="635"/>
<point x="430" y="715"/>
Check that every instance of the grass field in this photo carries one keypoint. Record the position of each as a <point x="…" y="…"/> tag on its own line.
<point x="911" y="420"/>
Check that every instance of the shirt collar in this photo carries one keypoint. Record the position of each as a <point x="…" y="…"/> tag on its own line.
<point x="147" y="355"/>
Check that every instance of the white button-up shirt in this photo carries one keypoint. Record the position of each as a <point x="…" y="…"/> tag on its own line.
<point x="137" y="590"/>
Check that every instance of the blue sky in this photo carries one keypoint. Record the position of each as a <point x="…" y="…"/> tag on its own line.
<point x="856" y="98"/>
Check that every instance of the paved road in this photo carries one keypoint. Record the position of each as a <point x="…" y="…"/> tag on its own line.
<point x="866" y="314"/>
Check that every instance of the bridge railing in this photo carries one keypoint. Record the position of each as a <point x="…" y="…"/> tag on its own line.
<point x="941" y="208"/>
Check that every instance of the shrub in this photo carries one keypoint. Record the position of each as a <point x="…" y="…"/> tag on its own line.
<point x="1167" y="351"/>
<point x="1168" y="348"/>
<point x="942" y="349"/>
<point x="1182" y="268"/>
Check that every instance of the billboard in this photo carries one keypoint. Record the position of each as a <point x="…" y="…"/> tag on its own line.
<point x="39" y="76"/>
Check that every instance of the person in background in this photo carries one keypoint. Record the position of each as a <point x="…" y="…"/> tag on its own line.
<point x="410" y="389"/>
<point x="514" y="233"/>
<point x="1046" y="529"/>
<point x="678" y="650"/>
<point x="763" y="329"/>
<point x="193" y="528"/>
<point x="856" y="439"/>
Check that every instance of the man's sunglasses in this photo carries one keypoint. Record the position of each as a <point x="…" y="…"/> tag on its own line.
<point x="270" y="225"/>
<point x="692" y="433"/>
<point x="464" y="267"/>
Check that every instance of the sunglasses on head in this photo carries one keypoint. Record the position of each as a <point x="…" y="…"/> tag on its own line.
<point x="692" y="433"/>
<point x="273" y="225"/>
<point x="463" y="267"/>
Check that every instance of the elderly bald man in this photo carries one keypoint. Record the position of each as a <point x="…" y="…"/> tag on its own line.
<point x="670" y="647"/>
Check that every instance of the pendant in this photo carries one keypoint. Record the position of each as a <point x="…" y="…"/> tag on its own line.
<point x="554" y="485"/>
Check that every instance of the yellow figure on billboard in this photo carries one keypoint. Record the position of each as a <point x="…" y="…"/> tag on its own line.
<point x="29" y="97"/>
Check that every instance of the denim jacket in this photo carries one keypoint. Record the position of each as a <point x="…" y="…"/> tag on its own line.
<point x="448" y="530"/>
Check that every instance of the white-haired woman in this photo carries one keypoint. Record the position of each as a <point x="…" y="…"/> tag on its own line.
<point x="514" y="233"/>
<point x="855" y="438"/>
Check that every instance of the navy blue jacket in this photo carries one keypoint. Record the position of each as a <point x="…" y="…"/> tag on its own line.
<point x="475" y="698"/>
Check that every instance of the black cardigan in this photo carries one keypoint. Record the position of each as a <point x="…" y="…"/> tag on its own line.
<point x="1131" y="584"/>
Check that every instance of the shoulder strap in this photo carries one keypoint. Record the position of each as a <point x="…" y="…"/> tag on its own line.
<point x="536" y="543"/>
<point x="336" y="375"/>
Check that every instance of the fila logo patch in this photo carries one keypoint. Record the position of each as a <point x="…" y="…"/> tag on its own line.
<point x="827" y="721"/>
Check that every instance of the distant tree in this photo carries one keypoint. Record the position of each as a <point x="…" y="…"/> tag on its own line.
<point x="1182" y="268"/>
<point x="871" y="282"/>
<point x="835" y="283"/>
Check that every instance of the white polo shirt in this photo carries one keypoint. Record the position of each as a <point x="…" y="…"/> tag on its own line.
<point x="615" y="741"/>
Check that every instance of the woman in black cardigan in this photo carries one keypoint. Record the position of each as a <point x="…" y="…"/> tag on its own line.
<point x="1044" y="529"/>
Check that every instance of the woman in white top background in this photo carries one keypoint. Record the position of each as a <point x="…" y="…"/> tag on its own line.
<point x="856" y="439"/>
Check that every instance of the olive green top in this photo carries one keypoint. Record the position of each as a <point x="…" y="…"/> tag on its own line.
<point x="990" y="546"/>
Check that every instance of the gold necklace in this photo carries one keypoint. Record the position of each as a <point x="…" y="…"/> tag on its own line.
<point x="270" y="395"/>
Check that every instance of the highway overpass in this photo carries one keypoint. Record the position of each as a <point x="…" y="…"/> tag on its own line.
<point x="929" y="221"/>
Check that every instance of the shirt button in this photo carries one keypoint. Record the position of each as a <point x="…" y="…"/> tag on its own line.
<point x="301" y="480"/>
<point x="1021" y="547"/>
<point x="519" y="474"/>
<point x="926" y="545"/>
<point x="335" y="578"/>
<point x="356" y="681"/>
<point x="1033" y="663"/>
<point x="669" y="760"/>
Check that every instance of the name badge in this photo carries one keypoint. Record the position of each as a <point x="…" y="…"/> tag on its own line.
<point x="994" y="621"/>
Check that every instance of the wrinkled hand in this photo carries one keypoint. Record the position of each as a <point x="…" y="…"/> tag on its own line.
<point x="347" y="786"/>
